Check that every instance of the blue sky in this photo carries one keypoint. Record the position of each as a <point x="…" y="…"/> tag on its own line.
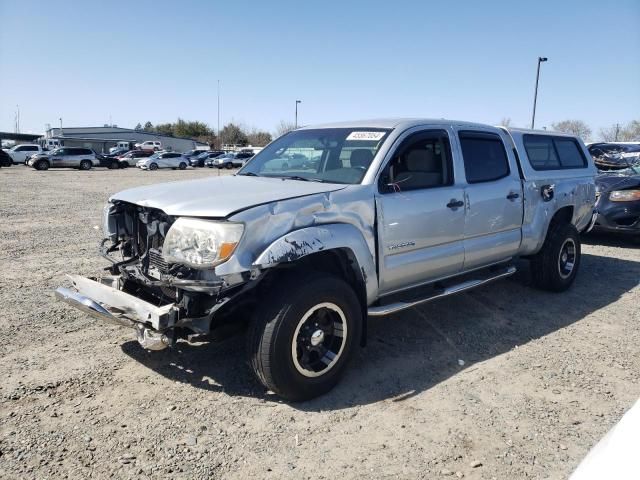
<point x="159" y="60"/>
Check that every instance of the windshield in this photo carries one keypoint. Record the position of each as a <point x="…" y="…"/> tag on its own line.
<point x="155" y="155"/>
<point x="226" y="155"/>
<point x="334" y="155"/>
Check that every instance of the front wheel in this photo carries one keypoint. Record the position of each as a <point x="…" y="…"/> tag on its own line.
<point x="182" y="166"/>
<point x="555" y="266"/>
<point x="229" y="166"/>
<point x="42" y="165"/>
<point x="299" y="343"/>
<point x="153" y="166"/>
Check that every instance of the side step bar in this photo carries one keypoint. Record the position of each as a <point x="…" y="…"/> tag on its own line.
<point x="383" y="310"/>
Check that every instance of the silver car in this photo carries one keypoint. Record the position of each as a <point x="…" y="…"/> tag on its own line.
<point x="389" y="214"/>
<point x="158" y="160"/>
<point x="65" y="157"/>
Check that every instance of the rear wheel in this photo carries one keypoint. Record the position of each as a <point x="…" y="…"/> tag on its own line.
<point x="113" y="164"/>
<point x="555" y="267"/>
<point x="299" y="343"/>
<point x="153" y="166"/>
<point x="124" y="164"/>
<point x="85" y="165"/>
<point x="182" y="166"/>
<point x="42" y="165"/>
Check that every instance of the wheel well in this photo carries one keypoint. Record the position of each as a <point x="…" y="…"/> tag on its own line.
<point x="563" y="215"/>
<point x="342" y="263"/>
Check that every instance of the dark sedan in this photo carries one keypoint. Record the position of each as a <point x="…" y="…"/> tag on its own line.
<point x="618" y="202"/>
<point x="200" y="160"/>
<point x="5" y="159"/>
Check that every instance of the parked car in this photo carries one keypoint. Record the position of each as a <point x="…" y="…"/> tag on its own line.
<point x="618" y="202"/>
<point x="122" y="147"/>
<point x="149" y="145"/>
<point x="163" y="160"/>
<point x="230" y="160"/>
<point x="106" y="161"/>
<point x="614" y="156"/>
<point x="397" y="213"/>
<point x="196" y="151"/>
<point x="116" y="152"/>
<point x="5" y="159"/>
<point x="69" y="157"/>
<point x="202" y="159"/>
<point x="130" y="158"/>
<point x="20" y="153"/>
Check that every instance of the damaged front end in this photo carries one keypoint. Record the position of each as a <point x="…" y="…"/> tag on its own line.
<point x="145" y="289"/>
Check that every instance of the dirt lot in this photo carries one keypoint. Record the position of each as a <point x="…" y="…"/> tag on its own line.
<point x="502" y="382"/>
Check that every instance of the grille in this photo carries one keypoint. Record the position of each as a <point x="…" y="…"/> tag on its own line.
<point x="156" y="261"/>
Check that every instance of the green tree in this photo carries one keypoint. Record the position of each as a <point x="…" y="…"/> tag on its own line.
<point x="148" y="127"/>
<point x="191" y="129"/>
<point x="138" y="127"/>
<point x="164" y="128"/>
<point x="232" y="134"/>
<point x="575" y="127"/>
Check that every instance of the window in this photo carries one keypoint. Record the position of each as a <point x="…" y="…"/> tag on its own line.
<point x="547" y="152"/>
<point x="484" y="155"/>
<point x="333" y="155"/>
<point x="423" y="160"/>
<point x="31" y="148"/>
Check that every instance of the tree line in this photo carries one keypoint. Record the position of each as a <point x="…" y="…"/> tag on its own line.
<point x="629" y="132"/>
<point x="230" y="134"/>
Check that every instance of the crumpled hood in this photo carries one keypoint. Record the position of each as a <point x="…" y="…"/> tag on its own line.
<point x="609" y="182"/>
<point x="219" y="196"/>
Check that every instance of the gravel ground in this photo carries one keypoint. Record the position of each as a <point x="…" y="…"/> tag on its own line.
<point x="502" y="382"/>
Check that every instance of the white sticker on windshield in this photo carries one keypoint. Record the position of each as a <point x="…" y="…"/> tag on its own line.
<point x="365" y="135"/>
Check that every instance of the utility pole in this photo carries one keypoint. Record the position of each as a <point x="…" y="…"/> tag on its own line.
<point x="17" y="118"/>
<point x="61" y="133"/>
<point x="617" y="131"/>
<point x="297" y="102"/>
<point x="219" y="113"/>
<point x="535" y="95"/>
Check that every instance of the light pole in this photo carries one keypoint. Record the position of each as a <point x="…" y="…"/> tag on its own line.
<point x="535" y="95"/>
<point x="219" y="110"/>
<point x="297" y="102"/>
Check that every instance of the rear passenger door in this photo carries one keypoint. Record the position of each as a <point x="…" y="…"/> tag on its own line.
<point x="493" y="197"/>
<point x="420" y="211"/>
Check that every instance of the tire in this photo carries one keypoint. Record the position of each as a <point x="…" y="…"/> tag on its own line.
<point x="153" y="166"/>
<point x="113" y="165"/>
<point x="229" y="166"/>
<point x="124" y="164"/>
<point x="85" y="165"/>
<point x="288" y="351"/>
<point x="42" y="165"/>
<point x="555" y="266"/>
<point x="182" y="166"/>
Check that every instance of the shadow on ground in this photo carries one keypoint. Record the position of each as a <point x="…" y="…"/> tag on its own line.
<point x="410" y="352"/>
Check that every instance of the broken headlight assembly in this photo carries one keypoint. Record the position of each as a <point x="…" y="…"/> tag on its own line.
<point x="624" y="195"/>
<point x="201" y="243"/>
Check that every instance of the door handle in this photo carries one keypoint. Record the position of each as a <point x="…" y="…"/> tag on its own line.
<point x="513" y="195"/>
<point x="453" y="204"/>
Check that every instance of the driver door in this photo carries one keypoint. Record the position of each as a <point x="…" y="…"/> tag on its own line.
<point x="421" y="212"/>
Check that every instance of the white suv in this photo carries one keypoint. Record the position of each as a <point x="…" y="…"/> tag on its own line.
<point x="150" y="145"/>
<point x="20" y="153"/>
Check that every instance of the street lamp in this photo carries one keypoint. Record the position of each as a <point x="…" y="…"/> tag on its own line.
<point x="535" y="95"/>
<point x="297" y="102"/>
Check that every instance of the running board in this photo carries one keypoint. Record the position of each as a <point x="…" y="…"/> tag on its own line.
<point x="383" y="310"/>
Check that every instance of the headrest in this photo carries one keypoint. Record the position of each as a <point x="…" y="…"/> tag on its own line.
<point x="420" y="160"/>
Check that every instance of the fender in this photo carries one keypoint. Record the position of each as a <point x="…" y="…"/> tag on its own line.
<point x="307" y="241"/>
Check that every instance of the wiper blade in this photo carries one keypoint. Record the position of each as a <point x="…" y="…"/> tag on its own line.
<point x="248" y="174"/>
<point x="303" y="179"/>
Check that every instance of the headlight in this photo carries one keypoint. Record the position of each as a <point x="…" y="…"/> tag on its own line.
<point x="201" y="243"/>
<point x="624" y="195"/>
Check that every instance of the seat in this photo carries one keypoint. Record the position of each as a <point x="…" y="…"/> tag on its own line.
<point x="361" y="158"/>
<point x="421" y="170"/>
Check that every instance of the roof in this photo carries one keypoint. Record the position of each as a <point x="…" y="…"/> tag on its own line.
<point x="403" y="123"/>
<point x="72" y="131"/>
<point x="22" y="137"/>
<point x="540" y="132"/>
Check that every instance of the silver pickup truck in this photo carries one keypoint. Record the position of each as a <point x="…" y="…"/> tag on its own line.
<point x="375" y="217"/>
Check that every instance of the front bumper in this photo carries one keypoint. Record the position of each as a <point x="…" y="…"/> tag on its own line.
<point x="102" y="299"/>
<point x="621" y="217"/>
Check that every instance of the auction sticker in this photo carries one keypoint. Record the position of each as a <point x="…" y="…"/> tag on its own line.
<point x="365" y="135"/>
